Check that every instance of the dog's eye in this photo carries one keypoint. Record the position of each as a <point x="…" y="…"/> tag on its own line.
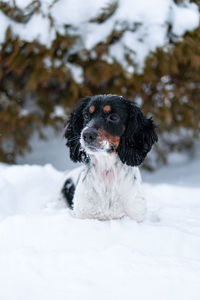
<point x="114" y="118"/>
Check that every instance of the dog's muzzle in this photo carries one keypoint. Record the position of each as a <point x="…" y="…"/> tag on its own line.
<point x="90" y="135"/>
<point x="91" y="142"/>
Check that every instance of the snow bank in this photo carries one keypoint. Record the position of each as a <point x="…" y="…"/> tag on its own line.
<point x="26" y="189"/>
<point x="145" y="21"/>
<point x="47" y="254"/>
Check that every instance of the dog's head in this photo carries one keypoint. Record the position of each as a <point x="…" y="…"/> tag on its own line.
<point x="109" y="124"/>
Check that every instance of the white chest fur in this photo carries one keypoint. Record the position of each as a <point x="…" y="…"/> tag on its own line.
<point x="108" y="189"/>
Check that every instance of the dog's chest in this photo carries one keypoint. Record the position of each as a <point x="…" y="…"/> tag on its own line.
<point x="106" y="175"/>
<point x="106" y="186"/>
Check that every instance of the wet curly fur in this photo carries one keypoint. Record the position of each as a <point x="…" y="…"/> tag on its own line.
<point x="111" y="136"/>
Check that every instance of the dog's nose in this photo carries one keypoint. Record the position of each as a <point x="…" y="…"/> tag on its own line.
<point x="90" y="135"/>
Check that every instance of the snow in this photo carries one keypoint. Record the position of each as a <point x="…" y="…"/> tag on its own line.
<point x="145" y="23"/>
<point x="184" y="18"/>
<point x="183" y="169"/>
<point x="45" y="253"/>
<point x="21" y="190"/>
<point x="52" y="150"/>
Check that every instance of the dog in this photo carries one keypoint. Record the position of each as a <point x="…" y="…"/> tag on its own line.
<point x="111" y="136"/>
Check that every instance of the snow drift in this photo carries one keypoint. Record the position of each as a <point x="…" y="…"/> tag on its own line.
<point x="45" y="253"/>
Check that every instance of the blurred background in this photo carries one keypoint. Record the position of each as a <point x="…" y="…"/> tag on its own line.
<point x="54" y="52"/>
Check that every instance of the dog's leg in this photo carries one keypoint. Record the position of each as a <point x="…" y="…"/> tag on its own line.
<point x="135" y="205"/>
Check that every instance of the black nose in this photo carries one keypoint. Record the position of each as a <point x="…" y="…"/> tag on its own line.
<point x="90" y="135"/>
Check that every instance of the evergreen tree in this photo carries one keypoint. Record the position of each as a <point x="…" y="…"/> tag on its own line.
<point x="35" y="78"/>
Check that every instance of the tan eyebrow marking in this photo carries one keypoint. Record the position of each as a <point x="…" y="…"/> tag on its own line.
<point x="92" y="109"/>
<point x="107" y="108"/>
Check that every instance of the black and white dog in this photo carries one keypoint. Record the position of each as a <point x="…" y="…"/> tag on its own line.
<point x="111" y="135"/>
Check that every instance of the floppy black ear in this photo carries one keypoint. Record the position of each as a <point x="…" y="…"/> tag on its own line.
<point x="138" y="137"/>
<point x="73" y="130"/>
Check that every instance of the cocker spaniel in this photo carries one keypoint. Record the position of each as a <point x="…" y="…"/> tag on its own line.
<point x="112" y="137"/>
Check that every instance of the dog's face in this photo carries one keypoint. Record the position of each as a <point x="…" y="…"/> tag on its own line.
<point x="104" y="123"/>
<point x="109" y="124"/>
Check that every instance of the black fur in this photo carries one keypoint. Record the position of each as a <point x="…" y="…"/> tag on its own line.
<point x="136" y="131"/>
<point x="138" y="137"/>
<point x="73" y="130"/>
<point x="68" y="191"/>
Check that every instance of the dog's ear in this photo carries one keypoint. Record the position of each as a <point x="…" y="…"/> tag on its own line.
<point x="138" y="137"/>
<point x="73" y="130"/>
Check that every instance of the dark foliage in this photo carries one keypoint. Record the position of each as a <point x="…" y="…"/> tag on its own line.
<point x="34" y="79"/>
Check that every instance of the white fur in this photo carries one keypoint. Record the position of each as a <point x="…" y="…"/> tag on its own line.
<point x="108" y="189"/>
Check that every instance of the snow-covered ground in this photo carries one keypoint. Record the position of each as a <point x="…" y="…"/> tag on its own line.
<point x="45" y="253"/>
